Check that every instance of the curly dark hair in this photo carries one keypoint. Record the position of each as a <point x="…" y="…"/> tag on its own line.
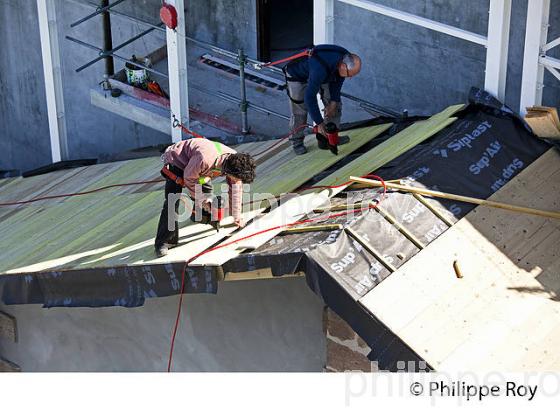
<point x="241" y="166"/>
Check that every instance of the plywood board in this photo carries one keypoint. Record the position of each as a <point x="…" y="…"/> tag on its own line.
<point x="288" y="212"/>
<point x="504" y="313"/>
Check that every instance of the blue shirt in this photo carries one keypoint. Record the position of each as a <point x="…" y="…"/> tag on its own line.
<point x="315" y="73"/>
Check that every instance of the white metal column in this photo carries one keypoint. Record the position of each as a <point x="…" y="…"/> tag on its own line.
<point x="497" y="49"/>
<point x="323" y="21"/>
<point x="535" y="39"/>
<point x="53" y="79"/>
<point x="177" y="66"/>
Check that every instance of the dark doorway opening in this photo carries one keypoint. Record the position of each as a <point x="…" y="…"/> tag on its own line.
<point x="284" y="27"/>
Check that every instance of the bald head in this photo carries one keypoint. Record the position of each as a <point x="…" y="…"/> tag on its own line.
<point x="350" y="65"/>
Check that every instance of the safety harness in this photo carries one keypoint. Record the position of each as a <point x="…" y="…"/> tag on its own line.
<point x="310" y="53"/>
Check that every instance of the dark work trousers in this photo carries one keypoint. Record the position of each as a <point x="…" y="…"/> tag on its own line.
<point x="298" y="109"/>
<point x="163" y="234"/>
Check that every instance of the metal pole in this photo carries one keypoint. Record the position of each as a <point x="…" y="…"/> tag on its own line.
<point x="323" y="21"/>
<point x="103" y="54"/>
<point x="234" y="100"/>
<point x="107" y="40"/>
<point x="52" y="70"/>
<point x="374" y="107"/>
<point x="118" y="57"/>
<point x="243" y="104"/>
<point x="99" y="10"/>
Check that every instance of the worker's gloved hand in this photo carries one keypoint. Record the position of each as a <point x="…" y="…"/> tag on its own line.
<point x="207" y="205"/>
<point x="321" y="128"/>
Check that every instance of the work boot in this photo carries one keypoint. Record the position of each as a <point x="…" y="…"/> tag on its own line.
<point x="300" y="149"/>
<point x="162" y="250"/>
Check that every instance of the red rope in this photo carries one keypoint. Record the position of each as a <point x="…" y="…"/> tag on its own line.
<point x="204" y="252"/>
<point x="177" y="123"/>
<point x="301" y="127"/>
<point x="92" y="191"/>
<point x="154" y="181"/>
<point x="305" y="53"/>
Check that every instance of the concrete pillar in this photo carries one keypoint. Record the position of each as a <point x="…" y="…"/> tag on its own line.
<point x="323" y="21"/>
<point x="497" y="48"/>
<point x="535" y="38"/>
<point x="177" y="66"/>
<point x="48" y="29"/>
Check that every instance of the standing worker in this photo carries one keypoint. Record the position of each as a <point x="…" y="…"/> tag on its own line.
<point x="322" y="71"/>
<point x="194" y="162"/>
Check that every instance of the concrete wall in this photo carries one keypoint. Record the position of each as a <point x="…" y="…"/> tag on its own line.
<point x="424" y="71"/>
<point x="229" y="24"/>
<point x="405" y="66"/>
<point x="24" y="136"/>
<point x="24" y="140"/>
<point x="267" y="325"/>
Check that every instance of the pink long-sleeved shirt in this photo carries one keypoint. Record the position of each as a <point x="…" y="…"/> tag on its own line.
<point x="199" y="157"/>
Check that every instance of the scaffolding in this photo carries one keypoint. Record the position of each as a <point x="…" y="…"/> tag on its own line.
<point x="175" y="50"/>
<point x="496" y="42"/>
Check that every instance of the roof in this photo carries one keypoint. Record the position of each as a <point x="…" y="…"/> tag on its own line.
<point x="105" y="239"/>
<point x="116" y="227"/>
<point x="504" y="313"/>
<point x="97" y="250"/>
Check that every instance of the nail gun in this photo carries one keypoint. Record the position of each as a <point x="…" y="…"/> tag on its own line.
<point x="217" y="207"/>
<point x="329" y="141"/>
<point x="213" y="217"/>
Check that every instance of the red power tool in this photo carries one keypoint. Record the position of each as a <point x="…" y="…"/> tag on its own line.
<point x="217" y="208"/>
<point x="218" y="212"/>
<point x="215" y="216"/>
<point x="329" y="141"/>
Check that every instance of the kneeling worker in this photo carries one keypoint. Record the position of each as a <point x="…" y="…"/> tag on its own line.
<point x="194" y="162"/>
<point x="322" y="71"/>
